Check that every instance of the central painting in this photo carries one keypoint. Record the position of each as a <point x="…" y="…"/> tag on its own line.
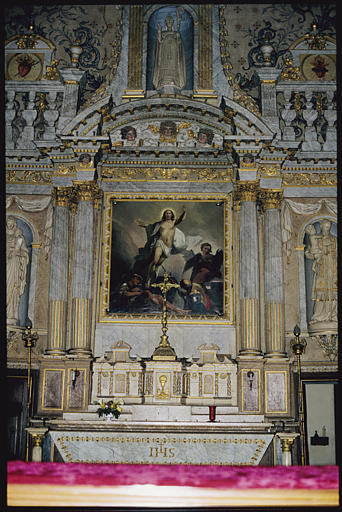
<point x="186" y="238"/>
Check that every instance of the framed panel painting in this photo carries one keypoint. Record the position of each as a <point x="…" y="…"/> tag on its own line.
<point x="187" y="237"/>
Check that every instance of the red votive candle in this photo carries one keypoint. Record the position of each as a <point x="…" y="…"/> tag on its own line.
<point x="212" y="412"/>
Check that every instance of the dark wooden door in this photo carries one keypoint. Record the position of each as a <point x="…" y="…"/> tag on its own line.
<point x="17" y="414"/>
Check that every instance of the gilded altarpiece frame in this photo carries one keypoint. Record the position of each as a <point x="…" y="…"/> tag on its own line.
<point x="208" y="220"/>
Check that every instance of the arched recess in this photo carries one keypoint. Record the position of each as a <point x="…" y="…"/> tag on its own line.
<point x="155" y="14"/>
<point x="306" y="266"/>
<point x="31" y="236"/>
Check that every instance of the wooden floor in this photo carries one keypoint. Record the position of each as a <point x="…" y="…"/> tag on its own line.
<point x="42" y="495"/>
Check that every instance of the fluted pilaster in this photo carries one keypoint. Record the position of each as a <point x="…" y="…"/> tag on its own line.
<point x="249" y="269"/>
<point x="58" y="290"/>
<point x="86" y="193"/>
<point x="273" y="273"/>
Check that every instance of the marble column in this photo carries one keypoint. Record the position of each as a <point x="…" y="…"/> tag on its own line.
<point x="249" y="269"/>
<point x="37" y="435"/>
<point x="83" y="268"/>
<point x="286" y="440"/>
<point x="273" y="273"/>
<point x="58" y="290"/>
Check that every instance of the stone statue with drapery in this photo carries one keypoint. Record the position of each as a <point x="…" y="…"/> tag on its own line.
<point x="168" y="67"/>
<point x="322" y="250"/>
<point x="17" y="258"/>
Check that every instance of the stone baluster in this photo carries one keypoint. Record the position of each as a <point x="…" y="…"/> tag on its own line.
<point x="9" y="117"/>
<point x="310" y="115"/>
<point x="29" y="115"/>
<point x="51" y="116"/>
<point x="288" y="116"/>
<point x="83" y="268"/>
<point x="249" y="269"/>
<point x="330" y="115"/>
<point x="273" y="270"/>
<point x="58" y="291"/>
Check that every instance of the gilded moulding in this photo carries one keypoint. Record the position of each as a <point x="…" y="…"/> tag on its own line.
<point x="111" y="199"/>
<point x="269" y="170"/>
<point x="31" y="176"/>
<point x="310" y="179"/>
<point x="63" y="170"/>
<point x="166" y="173"/>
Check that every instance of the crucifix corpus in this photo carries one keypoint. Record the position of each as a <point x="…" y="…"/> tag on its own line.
<point x="164" y="351"/>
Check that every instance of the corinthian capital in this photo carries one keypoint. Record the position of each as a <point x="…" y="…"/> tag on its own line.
<point x="271" y="198"/>
<point x="62" y="196"/>
<point x="87" y="191"/>
<point x="247" y="191"/>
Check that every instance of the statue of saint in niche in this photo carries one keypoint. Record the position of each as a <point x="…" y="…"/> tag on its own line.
<point x="322" y="250"/>
<point x="169" y="55"/>
<point x="17" y="258"/>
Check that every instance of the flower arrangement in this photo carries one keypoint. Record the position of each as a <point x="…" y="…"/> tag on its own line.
<point x="112" y="407"/>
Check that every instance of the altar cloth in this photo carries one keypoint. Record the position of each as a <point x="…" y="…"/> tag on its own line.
<point x="76" y="484"/>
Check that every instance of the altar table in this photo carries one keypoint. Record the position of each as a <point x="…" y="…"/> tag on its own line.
<point x="130" y="485"/>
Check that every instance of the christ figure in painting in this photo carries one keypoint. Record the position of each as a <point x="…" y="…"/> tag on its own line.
<point x="162" y="236"/>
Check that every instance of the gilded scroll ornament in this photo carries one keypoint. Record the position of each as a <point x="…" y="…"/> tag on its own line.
<point x="52" y="72"/>
<point x="112" y="65"/>
<point x="310" y="179"/>
<point x="167" y="173"/>
<point x="31" y="176"/>
<point x="269" y="170"/>
<point x="239" y="95"/>
<point x="65" y="170"/>
<point x="290" y="72"/>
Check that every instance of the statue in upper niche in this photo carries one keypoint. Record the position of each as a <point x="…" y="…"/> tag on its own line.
<point x="17" y="258"/>
<point x="322" y="250"/>
<point x="169" y="56"/>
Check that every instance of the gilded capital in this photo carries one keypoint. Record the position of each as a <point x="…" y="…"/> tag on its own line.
<point x="271" y="198"/>
<point x="61" y="196"/>
<point x="87" y="190"/>
<point x="286" y="440"/>
<point x="247" y="191"/>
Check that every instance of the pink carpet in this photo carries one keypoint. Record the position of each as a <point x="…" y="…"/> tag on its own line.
<point x="219" y="477"/>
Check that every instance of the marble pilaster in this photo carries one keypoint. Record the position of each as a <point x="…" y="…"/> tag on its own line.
<point x="249" y="270"/>
<point x="58" y="289"/>
<point x="72" y="78"/>
<point x="273" y="272"/>
<point x="83" y="268"/>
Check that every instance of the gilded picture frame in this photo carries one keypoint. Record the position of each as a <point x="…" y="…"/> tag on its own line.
<point x="194" y="248"/>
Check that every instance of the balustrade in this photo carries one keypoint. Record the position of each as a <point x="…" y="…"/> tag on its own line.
<point x="309" y="112"/>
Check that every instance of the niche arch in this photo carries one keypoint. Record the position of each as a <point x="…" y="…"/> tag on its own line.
<point x="156" y="14"/>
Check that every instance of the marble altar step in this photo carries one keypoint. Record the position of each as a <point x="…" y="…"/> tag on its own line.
<point x="171" y="413"/>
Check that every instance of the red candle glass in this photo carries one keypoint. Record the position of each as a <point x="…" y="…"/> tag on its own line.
<point x="212" y="412"/>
